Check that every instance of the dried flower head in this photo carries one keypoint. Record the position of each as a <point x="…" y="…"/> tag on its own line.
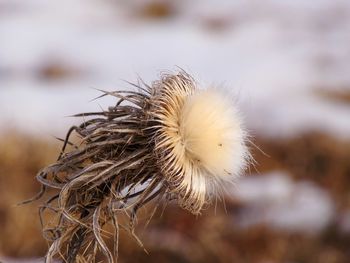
<point x="169" y="141"/>
<point x="199" y="142"/>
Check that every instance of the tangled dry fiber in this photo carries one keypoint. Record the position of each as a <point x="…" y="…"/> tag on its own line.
<point x="168" y="140"/>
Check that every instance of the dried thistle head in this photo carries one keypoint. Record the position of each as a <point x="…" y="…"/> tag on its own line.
<point x="169" y="140"/>
<point x="200" y="143"/>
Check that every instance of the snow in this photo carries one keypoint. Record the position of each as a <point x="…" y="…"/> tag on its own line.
<point x="274" y="199"/>
<point x="273" y="56"/>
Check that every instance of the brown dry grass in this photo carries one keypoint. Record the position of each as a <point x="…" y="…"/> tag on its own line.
<point x="20" y="158"/>
<point x="338" y="95"/>
<point x="177" y="236"/>
<point x="156" y="9"/>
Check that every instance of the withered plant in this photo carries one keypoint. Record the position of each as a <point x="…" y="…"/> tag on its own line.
<point x="168" y="140"/>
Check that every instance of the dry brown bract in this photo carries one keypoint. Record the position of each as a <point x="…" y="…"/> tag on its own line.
<point x="162" y="141"/>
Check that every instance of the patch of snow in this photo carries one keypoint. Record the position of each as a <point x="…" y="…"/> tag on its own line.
<point x="274" y="56"/>
<point x="274" y="199"/>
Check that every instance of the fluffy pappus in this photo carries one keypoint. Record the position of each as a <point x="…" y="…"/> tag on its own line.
<point x="200" y="141"/>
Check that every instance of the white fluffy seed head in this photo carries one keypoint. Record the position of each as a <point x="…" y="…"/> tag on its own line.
<point x="210" y="128"/>
<point x="200" y="143"/>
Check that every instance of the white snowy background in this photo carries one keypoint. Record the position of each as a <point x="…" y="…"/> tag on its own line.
<point x="271" y="54"/>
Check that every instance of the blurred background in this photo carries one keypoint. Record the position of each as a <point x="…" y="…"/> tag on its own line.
<point x="286" y="62"/>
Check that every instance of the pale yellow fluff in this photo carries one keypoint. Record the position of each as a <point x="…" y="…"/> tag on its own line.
<point x="211" y="133"/>
<point x="200" y="144"/>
